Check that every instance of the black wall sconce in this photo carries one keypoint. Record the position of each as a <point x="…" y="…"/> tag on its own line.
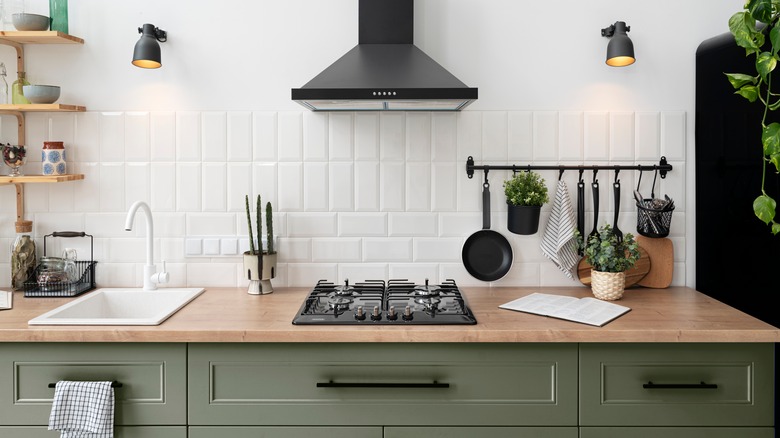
<point x="620" y="50"/>
<point x="147" y="50"/>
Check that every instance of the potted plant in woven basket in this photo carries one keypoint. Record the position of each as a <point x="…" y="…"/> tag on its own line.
<point x="525" y="194"/>
<point x="609" y="257"/>
<point x="259" y="264"/>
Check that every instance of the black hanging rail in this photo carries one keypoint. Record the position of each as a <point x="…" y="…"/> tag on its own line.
<point x="662" y="167"/>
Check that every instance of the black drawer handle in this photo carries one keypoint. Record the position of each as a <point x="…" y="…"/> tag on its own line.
<point x="332" y="384"/>
<point x="701" y="385"/>
<point x="114" y="384"/>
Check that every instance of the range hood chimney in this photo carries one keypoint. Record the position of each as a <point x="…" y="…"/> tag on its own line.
<point x="385" y="71"/>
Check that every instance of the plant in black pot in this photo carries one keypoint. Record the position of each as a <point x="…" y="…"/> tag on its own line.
<point x="525" y="194"/>
<point x="610" y="257"/>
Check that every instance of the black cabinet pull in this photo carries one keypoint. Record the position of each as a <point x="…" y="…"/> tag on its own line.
<point x="332" y="384"/>
<point x="114" y="384"/>
<point x="700" y="385"/>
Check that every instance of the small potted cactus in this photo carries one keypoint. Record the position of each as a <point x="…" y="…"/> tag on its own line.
<point x="259" y="264"/>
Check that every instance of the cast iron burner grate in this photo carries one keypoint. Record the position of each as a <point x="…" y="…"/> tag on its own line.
<point x="396" y="301"/>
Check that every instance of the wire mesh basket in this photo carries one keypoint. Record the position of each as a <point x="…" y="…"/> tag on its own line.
<point x="85" y="274"/>
<point x="652" y="221"/>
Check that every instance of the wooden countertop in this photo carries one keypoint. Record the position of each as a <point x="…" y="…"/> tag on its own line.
<point x="231" y="315"/>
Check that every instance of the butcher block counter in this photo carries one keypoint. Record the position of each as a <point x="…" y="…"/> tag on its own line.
<point x="676" y="314"/>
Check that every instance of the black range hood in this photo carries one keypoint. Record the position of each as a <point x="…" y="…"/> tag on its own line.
<point x="385" y="71"/>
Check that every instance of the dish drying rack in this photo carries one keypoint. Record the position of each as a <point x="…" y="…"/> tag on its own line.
<point x="84" y="269"/>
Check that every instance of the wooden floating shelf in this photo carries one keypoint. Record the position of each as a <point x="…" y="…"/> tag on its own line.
<point x="24" y="179"/>
<point x="39" y="37"/>
<point x="43" y="107"/>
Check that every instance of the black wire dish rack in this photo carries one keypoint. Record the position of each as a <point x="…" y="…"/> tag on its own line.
<point x="85" y="273"/>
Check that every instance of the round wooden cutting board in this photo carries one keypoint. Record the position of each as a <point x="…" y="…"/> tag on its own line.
<point x="633" y="275"/>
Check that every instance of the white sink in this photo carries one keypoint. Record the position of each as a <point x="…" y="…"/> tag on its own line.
<point x="120" y="306"/>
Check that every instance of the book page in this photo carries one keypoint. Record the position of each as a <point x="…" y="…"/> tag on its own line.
<point x="540" y="304"/>
<point x="590" y="311"/>
<point x="6" y="300"/>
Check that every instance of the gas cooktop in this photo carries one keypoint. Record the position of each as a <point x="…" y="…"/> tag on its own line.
<point x="395" y="302"/>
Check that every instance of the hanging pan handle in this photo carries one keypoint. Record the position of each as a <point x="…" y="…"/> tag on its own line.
<point x="486" y="203"/>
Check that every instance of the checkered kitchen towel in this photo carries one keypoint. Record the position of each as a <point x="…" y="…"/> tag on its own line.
<point x="83" y="409"/>
<point x="559" y="243"/>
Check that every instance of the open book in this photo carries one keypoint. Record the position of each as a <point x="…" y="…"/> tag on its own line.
<point x="6" y="300"/>
<point x="584" y="310"/>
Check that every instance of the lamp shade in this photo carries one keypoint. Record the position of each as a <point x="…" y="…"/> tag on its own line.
<point x="147" y="50"/>
<point x="620" y="50"/>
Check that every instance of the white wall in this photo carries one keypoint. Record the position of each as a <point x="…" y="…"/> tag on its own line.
<point x="217" y="122"/>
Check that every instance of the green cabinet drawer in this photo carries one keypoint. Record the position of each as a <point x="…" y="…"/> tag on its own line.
<point x="119" y="432"/>
<point x="481" y="432"/>
<point x="153" y="378"/>
<point x="358" y="384"/>
<point x="677" y="432"/>
<point x="676" y="384"/>
<point x="284" y="432"/>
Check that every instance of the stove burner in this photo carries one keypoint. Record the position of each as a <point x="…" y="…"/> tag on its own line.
<point x="396" y="301"/>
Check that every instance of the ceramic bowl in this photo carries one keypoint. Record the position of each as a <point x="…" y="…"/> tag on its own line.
<point x="41" y="93"/>
<point x="28" y="22"/>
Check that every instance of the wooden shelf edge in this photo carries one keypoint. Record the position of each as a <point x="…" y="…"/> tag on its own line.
<point x="24" y="179"/>
<point x="39" y="37"/>
<point x="43" y="107"/>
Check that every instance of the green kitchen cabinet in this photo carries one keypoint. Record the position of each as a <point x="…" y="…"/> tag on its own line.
<point x="481" y="432"/>
<point x="153" y="378"/>
<point x="677" y="432"/>
<point x="284" y="432"/>
<point x="119" y="432"/>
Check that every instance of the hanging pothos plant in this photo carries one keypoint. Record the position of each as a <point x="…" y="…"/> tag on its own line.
<point x="759" y="87"/>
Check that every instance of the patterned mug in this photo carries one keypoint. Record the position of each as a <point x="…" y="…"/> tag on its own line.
<point x="53" y="158"/>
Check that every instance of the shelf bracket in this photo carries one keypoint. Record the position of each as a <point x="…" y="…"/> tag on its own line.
<point x="20" y="140"/>
<point x="22" y="226"/>
<point x="19" y="53"/>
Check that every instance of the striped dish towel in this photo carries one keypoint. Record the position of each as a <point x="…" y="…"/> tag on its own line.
<point x="559" y="243"/>
<point x="83" y="409"/>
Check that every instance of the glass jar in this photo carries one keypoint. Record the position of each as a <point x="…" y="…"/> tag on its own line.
<point x="53" y="158"/>
<point x="17" y="92"/>
<point x="23" y="260"/>
<point x="58" y="12"/>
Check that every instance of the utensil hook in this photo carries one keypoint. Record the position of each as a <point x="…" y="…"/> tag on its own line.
<point x="652" y="189"/>
<point x="560" y="173"/>
<point x="639" y="181"/>
<point x="581" y="171"/>
<point x="595" y="173"/>
<point x="486" y="177"/>
<point x="617" y="172"/>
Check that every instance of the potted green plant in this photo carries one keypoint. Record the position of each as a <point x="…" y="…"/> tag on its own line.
<point x="525" y="194"/>
<point x="609" y="257"/>
<point x="260" y="265"/>
<point x="759" y="87"/>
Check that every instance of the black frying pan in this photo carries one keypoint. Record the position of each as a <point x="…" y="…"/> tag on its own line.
<point x="487" y="254"/>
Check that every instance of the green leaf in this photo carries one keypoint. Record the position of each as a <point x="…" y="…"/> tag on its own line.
<point x="739" y="79"/>
<point x="774" y="106"/>
<point x="770" y="138"/>
<point x="749" y="92"/>
<point x="774" y="38"/>
<point x="775" y="159"/>
<point x="765" y="63"/>
<point x="761" y="10"/>
<point x="764" y="207"/>
<point x="775" y="228"/>
<point x="743" y="27"/>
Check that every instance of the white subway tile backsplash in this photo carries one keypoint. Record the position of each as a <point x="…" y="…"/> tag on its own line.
<point x="188" y="136"/>
<point x="362" y="224"/>
<point x="520" y="136"/>
<point x="127" y="250"/>
<point x="117" y="274"/>
<point x="570" y="135"/>
<point x="163" y="179"/>
<point x="228" y="247"/>
<point x="391" y="192"/>
<point x="239" y="184"/>
<point x="551" y="276"/>
<point x="367" y="136"/>
<point x="211" y="247"/>
<point x="520" y="275"/>
<point x="437" y="249"/>
<point x="290" y="187"/>
<point x="264" y="184"/>
<point x="162" y="135"/>
<point x="112" y="187"/>
<point x="392" y="135"/>
<point x="239" y="136"/>
<point x="469" y="129"/>
<point x="112" y="136"/>
<point x="211" y="274"/>
<point x="341" y="187"/>
<point x="678" y="276"/>
<point x="103" y="225"/>
<point x="214" y="177"/>
<point x="137" y="136"/>
<point x="673" y="185"/>
<point x="444" y="178"/>
<point x="86" y="138"/>
<point x="444" y="136"/>
<point x="335" y="250"/>
<point x="470" y="191"/>
<point x="416" y="272"/>
<point x="418" y="187"/>
<point x="311" y="224"/>
<point x="495" y="136"/>
<point x="673" y="135"/>
<point x="292" y="250"/>
<point x="458" y="272"/>
<point x="366" y="185"/>
<point x="210" y="224"/>
<point x="413" y="224"/>
<point x="307" y="274"/>
<point x="648" y="135"/>
<point x="290" y="136"/>
<point x="193" y="247"/>
<point x="315" y="136"/>
<point x="340" y="137"/>
<point x="167" y="225"/>
<point x="37" y="131"/>
<point x="214" y="136"/>
<point x="137" y="179"/>
<point x="459" y="224"/>
<point x="61" y="197"/>
<point x="596" y="133"/>
<point x="418" y="136"/>
<point x="545" y="135"/>
<point x="85" y="198"/>
<point x="264" y="133"/>
<point x="621" y="136"/>
<point x="188" y="187"/>
<point x="315" y="186"/>
<point x="357" y="272"/>
<point x="62" y="127"/>
<point x="46" y="223"/>
<point x="387" y="249"/>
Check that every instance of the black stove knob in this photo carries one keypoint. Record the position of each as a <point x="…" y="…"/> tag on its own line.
<point x="359" y="314"/>
<point x="375" y="315"/>
<point x="391" y="315"/>
<point x="408" y="314"/>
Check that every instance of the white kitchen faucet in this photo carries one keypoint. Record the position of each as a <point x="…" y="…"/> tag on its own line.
<point x="151" y="276"/>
